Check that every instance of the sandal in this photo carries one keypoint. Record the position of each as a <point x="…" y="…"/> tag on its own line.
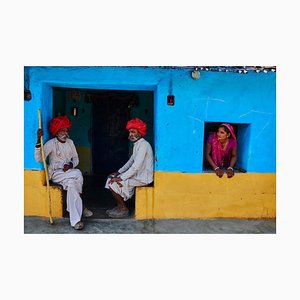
<point x="112" y="210"/>
<point x="87" y="213"/>
<point x="79" y="225"/>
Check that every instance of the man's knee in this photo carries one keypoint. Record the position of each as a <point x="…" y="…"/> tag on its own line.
<point x="113" y="187"/>
<point x="77" y="174"/>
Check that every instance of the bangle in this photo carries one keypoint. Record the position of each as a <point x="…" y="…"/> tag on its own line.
<point x="230" y="168"/>
<point x="38" y="144"/>
<point x="216" y="168"/>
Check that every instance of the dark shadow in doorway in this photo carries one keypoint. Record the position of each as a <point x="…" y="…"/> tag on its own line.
<point x="98" y="199"/>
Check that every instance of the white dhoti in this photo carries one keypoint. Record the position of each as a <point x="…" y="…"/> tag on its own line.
<point x="72" y="181"/>
<point x="127" y="189"/>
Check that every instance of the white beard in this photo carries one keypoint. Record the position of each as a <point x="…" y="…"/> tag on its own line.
<point x="133" y="139"/>
<point x="63" y="137"/>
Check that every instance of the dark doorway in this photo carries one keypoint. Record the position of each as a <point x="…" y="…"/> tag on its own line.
<point x="111" y="111"/>
<point x="110" y="146"/>
<point x="99" y="134"/>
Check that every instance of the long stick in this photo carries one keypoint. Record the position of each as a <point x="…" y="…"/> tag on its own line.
<point x="46" y="170"/>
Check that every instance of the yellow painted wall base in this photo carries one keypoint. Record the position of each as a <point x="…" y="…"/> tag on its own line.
<point x="35" y="196"/>
<point x="144" y="203"/>
<point x="177" y="195"/>
<point x="180" y="195"/>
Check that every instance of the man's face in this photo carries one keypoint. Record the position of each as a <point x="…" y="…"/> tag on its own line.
<point x="63" y="134"/>
<point x="134" y="135"/>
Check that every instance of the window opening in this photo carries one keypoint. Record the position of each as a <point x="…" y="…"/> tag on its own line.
<point x="242" y="132"/>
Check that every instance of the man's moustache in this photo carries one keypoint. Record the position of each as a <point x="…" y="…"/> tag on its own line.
<point x="63" y="136"/>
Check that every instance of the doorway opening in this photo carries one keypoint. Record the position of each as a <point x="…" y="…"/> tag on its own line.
<point x="99" y="133"/>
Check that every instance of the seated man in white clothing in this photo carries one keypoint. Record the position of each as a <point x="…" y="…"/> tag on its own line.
<point x="138" y="171"/>
<point x="63" y="159"/>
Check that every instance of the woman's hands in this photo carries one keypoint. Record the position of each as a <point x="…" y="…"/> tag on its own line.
<point x="230" y="172"/>
<point x="219" y="172"/>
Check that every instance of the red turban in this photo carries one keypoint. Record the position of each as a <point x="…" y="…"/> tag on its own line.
<point x="58" y="123"/>
<point x="137" y="124"/>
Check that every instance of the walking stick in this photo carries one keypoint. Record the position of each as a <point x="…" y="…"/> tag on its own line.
<point x="46" y="170"/>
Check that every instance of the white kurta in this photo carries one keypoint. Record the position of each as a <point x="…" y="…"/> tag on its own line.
<point x="71" y="180"/>
<point x="138" y="171"/>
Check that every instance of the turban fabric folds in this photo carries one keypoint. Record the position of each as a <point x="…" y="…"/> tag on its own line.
<point x="137" y="124"/>
<point x="58" y="123"/>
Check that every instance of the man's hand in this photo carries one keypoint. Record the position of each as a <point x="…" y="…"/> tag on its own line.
<point x="39" y="134"/>
<point x="117" y="180"/>
<point x="67" y="167"/>
<point x="114" y="174"/>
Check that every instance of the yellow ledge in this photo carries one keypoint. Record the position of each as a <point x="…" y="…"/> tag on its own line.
<point x="177" y="195"/>
<point x="180" y="195"/>
<point x="35" y="196"/>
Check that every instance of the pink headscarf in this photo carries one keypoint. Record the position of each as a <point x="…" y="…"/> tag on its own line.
<point x="230" y="128"/>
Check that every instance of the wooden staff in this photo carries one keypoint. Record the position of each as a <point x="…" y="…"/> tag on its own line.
<point x="46" y="170"/>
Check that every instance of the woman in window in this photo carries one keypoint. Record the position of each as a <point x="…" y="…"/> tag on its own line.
<point x="221" y="150"/>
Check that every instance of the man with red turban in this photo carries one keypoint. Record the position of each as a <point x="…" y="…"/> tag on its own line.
<point x="138" y="171"/>
<point x="63" y="159"/>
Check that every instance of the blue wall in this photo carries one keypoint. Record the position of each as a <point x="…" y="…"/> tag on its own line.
<point x="178" y="130"/>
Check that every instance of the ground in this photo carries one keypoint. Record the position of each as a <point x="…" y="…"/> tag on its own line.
<point x="161" y="226"/>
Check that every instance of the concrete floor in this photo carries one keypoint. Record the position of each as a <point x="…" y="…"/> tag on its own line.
<point x="164" y="226"/>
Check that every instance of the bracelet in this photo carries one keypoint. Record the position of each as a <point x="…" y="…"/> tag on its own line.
<point x="216" y="168"/>
<point x="230" y="168"/>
